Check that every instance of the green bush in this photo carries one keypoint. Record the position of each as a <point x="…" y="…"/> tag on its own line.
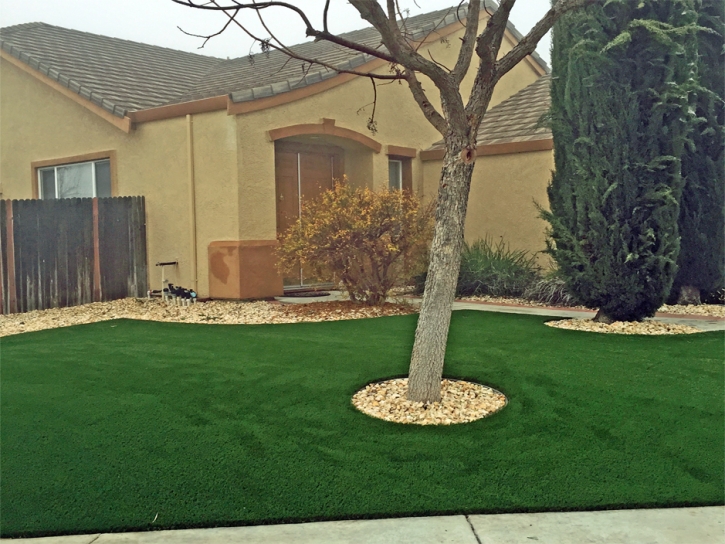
<point x="550" y="289"/>
<point x="621" y="116"/>
<point x="493" y="269"/>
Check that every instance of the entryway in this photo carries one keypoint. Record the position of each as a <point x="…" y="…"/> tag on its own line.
<point x="303" y="171"/>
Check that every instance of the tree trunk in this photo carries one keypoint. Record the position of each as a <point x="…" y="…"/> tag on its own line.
<point x="689" y="294"/>
<point x="431" y="334"/>
<point x="601" y="317"/>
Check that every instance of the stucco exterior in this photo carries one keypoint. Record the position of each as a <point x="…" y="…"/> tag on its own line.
<point x="210" y="177"/>
<point x="504" y="190"/>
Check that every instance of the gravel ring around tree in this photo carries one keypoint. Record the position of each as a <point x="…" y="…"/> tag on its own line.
<point x="461" y="402"/>
<point x="650" y="328"/>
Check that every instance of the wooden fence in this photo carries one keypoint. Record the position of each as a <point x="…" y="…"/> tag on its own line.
<point x="71" y="251"/>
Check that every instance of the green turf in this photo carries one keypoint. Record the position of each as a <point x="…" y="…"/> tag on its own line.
<point x="106" y="427"/>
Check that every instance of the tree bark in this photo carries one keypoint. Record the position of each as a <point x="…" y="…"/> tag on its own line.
<point x="601" y="317"/>
<point x="431" y="334"/>
<point x="689" y="294"/>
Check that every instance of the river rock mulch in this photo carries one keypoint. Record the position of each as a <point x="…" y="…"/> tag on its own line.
<point x="216" y="312"/>
<point x="710" y="310"/>
<point x="647" y="327"/>
<point x="461" y="402"/>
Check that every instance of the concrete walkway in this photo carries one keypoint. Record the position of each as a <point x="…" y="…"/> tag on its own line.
<point x="704" y="323"/>
<point x="657" y="526"/>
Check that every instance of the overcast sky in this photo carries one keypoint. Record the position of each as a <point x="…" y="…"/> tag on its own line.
<point x="156" y="21"/>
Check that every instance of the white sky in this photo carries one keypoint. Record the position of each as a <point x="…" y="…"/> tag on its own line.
<point x="156" y="21"/>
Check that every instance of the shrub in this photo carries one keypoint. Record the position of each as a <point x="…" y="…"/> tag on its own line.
<point x="702" y="215"/>
<point x="495" y="270"/>
<point x="492" y="269"/>
<point x="368" y="240"/>
<point x="621" y="116"/>
<point x="550" y="289"/>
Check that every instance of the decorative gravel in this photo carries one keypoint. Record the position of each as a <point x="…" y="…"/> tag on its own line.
<point x="217" y="312"/>
<point x="711" y="310"/>
<point x="623" y="327"/>
<point x="461" y="402"/>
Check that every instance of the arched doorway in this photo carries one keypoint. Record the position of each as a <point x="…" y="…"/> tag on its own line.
<point x="303" y="171"/>
<point x="308" y="158"/>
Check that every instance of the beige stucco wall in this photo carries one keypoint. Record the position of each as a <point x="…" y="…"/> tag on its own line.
<point x="399" y="122"/>
<point x="37" y="123"/>
<point x="501" y="202"/>
<point x="232" y="155"/>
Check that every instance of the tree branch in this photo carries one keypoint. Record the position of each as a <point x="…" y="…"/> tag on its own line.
<point x="309" y="29"/>
<point x="489" y="42"/>
<point x="324" y="15"/>
<point x="435" y="118"/>
<point x="396" y="44"/>
<point x="467" y="42"/>
<point x="527" y="44"/>
<point x="292" y="54"/>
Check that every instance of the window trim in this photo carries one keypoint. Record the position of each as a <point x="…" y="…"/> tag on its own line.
<point x="400" y="162"/>
<point x="406" y="171"/>
<point x="109" y="155"/>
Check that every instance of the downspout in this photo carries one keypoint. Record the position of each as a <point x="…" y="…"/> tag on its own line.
<point x="192" y="199"/>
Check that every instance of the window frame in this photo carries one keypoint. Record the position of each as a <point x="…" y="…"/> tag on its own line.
<point x="37" y="166"/>
<point x="406" y="172"/>
<point x="400" y="171"/>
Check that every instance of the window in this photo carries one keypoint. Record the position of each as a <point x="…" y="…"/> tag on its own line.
<point x="395" y="174"/>
<point x="79" y="180"/>
<point x="400" y="173"/>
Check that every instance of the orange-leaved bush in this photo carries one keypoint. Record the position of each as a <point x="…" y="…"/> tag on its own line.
<point x="368" y="240"/>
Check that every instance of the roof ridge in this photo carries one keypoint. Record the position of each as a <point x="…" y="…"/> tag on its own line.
<point x="103" y="36"/>
<point x="122" y="75"/>
<point x="20" y="26"/>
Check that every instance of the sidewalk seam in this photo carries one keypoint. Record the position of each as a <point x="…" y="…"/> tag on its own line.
<point x="475" y="534"/>
<point x="96" y="538"/>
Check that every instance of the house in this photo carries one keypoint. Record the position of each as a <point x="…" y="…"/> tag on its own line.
<point x="223" y="150"/>
<point x="514" y="162"/>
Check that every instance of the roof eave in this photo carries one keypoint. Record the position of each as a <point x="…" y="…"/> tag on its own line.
<point x="113" y="113"/>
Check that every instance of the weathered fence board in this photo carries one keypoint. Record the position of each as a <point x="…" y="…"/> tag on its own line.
<point x="4" y="302"/>
<point x="122" y="244"/>
<point x="53" y="266"/>
<point x="66" y="252"/>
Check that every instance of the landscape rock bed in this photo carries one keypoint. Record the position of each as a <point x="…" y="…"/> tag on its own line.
<point x="216" y="312"/>
<point x="710" y="310"/>
<point x="461" y="402"/>
<point x="646" y="327"/>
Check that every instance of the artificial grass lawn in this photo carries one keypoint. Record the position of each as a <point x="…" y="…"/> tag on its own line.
<point x="106" y="427"/>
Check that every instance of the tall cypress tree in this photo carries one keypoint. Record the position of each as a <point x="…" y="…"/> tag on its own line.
<point x="620" y="117"/>
<point x="702" y="212"/>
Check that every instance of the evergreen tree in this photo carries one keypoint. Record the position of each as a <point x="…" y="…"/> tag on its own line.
<point x="621" y="75"/>
<point x="702" y="215"/>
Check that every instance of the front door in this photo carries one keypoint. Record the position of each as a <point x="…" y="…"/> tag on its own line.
<point x="302" y="172"/>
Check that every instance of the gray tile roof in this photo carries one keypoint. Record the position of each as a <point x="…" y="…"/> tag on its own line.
<point x="118" y="75"/>
<point x="516" y="119"/>
<point x="121" y="75"/>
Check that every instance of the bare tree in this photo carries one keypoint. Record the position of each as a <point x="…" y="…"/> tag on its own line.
<point x="457" y="121"/>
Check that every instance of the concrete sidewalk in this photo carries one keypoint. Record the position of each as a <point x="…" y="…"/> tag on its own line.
<point x="704" y="323"/>
<point x="656" y="526"/>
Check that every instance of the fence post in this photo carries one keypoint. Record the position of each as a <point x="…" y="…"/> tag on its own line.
<point x="96" y="254"/>
<point x="12" y="293"/>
